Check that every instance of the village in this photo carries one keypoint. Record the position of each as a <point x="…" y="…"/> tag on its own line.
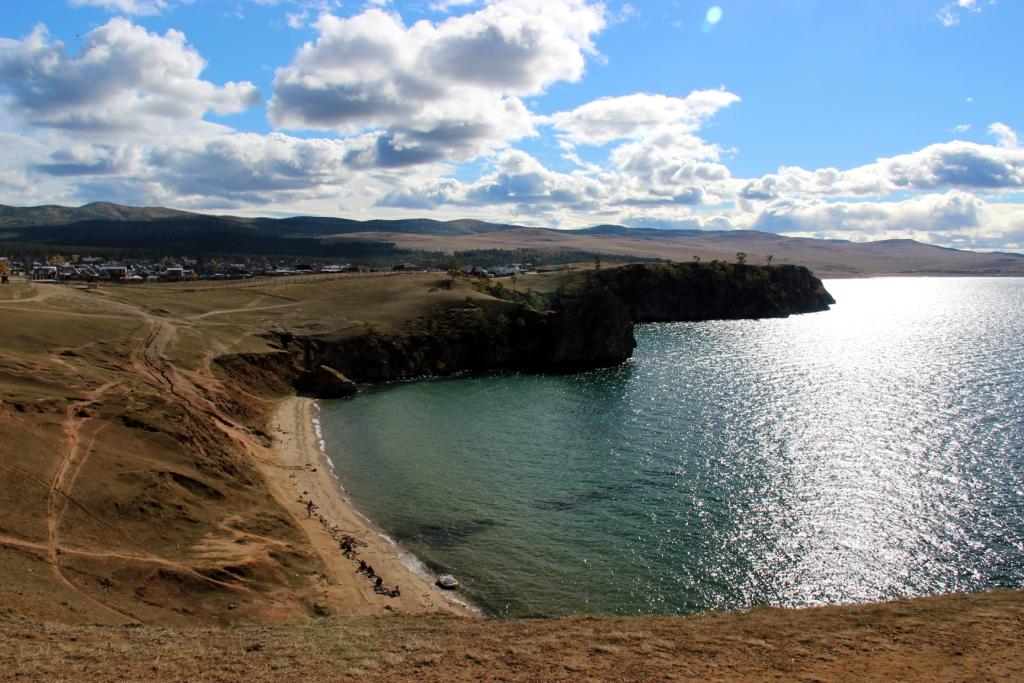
<point x="76" y="268"/>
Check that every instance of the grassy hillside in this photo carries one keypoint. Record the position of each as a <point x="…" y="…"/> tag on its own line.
<point x="948" y="638"/>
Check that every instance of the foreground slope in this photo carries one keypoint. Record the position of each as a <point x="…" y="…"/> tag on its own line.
<point x="135" y="483"/>
<point x="946" y="638"/>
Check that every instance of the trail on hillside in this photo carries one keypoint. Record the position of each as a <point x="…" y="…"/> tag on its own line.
<point x="75" y="455"/>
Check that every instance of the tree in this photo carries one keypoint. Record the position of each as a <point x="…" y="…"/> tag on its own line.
<point x="696" y="258"/>
<point x="514" y="278"/>
<point x="741" y="257"/>
<point x="454" y="268"/>
<point x="769" y="259"/>
<point x="597" y="263"/>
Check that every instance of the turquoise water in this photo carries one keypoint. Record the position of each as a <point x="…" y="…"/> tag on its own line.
<point x="867" y="452"/>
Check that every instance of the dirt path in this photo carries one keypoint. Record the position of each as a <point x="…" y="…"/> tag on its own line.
<point x="244" y="309"/>
<point x="71" y="464"/>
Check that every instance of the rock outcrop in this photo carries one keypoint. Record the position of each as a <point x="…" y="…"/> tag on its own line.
<point x="325" y="381"/>
<point x="588" y="323"/>
<point x="679" y="292"/>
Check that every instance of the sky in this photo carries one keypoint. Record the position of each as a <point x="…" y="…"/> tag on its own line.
<point x="846" y="120"/>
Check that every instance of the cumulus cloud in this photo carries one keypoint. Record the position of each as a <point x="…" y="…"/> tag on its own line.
<point x="90" y="160"/>
<point x="249" y="165"/>
<point x="1006" y="136"/>
<point x="949" y="165"/>
<point x="399" y="106"/>
<point x="658" y="160"/>
<point x="435" y="90"/>
<point x="953" y="210"/>
<point x="953" y="218"/>
<point x="518" y="179"/>
<point x="125" y="79"/>
<point x="672" y="164"/>
<point x="615" y="118"/>
<point x="237" y="168"/>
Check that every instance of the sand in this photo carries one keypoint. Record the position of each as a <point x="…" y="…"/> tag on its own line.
<point x="302" y="473"/>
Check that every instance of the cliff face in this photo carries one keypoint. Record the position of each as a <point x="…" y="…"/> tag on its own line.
<point x="589" y="323"/>
<point x="680" y="292"/>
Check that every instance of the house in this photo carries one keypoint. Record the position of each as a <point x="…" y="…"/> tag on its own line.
<point x="115" y="273"/>
<point x="510" y="269"/>
<point x="43" y="273"/>
<point x="174" y="273"/>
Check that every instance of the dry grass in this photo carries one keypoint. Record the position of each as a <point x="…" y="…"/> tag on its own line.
<point x="129" y="481"/>
<point x="943" y="638"/>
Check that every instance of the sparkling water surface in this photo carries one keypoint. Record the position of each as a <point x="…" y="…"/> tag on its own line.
<point x="871" y="451"/>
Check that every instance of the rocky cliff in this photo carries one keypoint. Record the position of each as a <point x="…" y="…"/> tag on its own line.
<point x="587" y="323"/>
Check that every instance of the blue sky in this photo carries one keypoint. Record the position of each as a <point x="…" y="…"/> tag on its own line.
<point x="855" y="120"/>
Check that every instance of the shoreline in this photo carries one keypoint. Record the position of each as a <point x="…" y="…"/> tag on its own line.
<point x="304" y="473"/>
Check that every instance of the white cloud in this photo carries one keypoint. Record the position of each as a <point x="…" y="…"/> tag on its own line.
<point x="949" y="15"/>
<point x="615" y="118"/>
<point x="518" y="180"/>
<point x="448" y="90"/>
<point x="248" y="167"/>
<point x="125" y="6"/>
<point x="1006" y="136"/>
<point x="124" y="80"/>
<point x="959" y="165"/>
<point x="953" y="218"/>
<point x="449" y="5"/>
<point x="401" y="105"/>
<point x="297" y="20"/>
<point x="660" y="162"/>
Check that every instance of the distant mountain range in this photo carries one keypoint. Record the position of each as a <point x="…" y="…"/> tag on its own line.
<point x="52" y="215"/>
<point x="108" y="225"/>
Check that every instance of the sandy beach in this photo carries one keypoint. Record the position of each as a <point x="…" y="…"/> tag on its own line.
<point x="302" y="474"/>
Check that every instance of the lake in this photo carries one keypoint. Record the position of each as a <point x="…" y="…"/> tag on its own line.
<point x="867" y="452"/>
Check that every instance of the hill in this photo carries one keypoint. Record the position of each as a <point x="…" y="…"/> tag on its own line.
<point x="19" y="217"/>
<point x="104" y="225"/>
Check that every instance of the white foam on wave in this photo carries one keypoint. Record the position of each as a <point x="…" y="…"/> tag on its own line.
<point x="408" y="560"/>
<point x="322" y="445"/>
<point x="416" y="566"/>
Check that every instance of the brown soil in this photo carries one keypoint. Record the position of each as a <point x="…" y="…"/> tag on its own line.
<point x="948" y="638"/>
<point x="137" y="485"/>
